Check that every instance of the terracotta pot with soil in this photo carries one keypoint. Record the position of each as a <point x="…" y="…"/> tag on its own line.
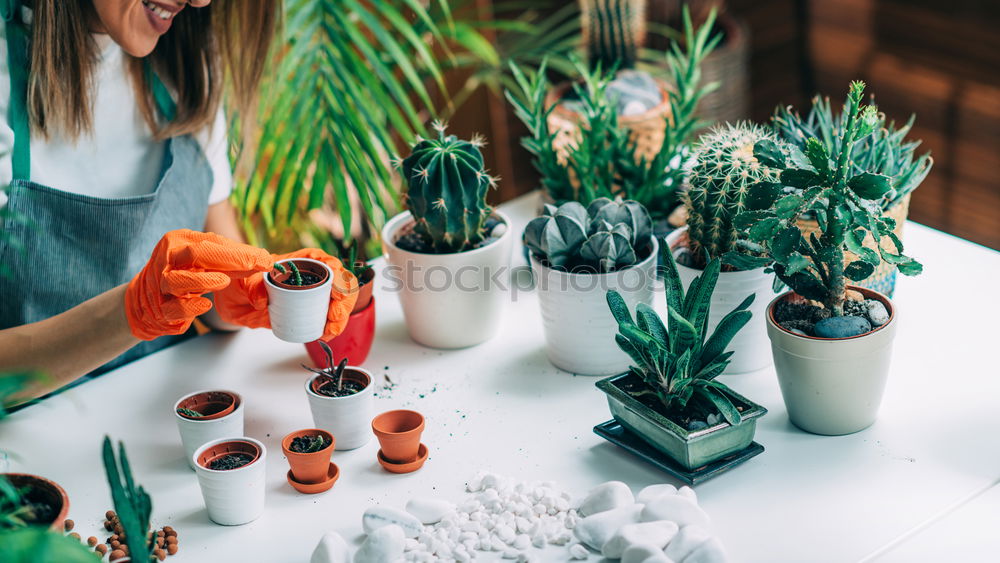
<point x="231" y="475"/>
<point x="298" y="294"/>
<point x="207" y="415"/>
<point x="340" y="399"/>
<point x="832" y="384"/>
<point x="43" y="502"/>
<point x="308" y="452"/>
<point x="398" y="434"/>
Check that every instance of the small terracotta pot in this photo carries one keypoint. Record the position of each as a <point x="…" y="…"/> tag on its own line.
<point x="399" y="432"/>
<point x="354" y="343"/>
<point x="221" y="449"/>
<point x="280" y="279"/>
<point x="211" y="405"/>
<point x="365" y="287"/>
<point x="309" y="468"/>
<point x="43" y="490"/>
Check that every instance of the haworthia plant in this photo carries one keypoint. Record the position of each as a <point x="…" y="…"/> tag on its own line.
<point x="679" y="361"/>
<point x="131" y="502"/>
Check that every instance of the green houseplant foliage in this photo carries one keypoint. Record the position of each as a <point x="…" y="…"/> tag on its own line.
<point x="132" y="503"/>
<point x="845" y="202"/>
<point x="604" y="237"/>
<point x="603" y="160"/>
<point x="447" y="186"/>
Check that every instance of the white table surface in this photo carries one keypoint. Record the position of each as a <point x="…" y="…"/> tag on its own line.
<point x="502" y="407"/>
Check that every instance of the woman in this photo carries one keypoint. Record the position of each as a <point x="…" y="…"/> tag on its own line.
<point x="114" y="156"/>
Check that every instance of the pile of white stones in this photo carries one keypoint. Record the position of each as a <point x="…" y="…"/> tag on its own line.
<point x="517" y="520"/>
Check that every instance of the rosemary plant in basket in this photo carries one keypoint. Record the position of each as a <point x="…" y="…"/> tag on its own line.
<point x="331" y="381"/>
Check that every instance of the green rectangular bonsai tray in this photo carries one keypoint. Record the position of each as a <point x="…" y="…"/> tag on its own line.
<point x="691" y="449"/>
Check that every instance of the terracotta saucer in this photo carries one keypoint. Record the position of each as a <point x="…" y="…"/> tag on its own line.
<point x="332" y="475"/>
<point x="409" y="467"/>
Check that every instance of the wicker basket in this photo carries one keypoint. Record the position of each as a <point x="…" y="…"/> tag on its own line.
<point x="728" y="66"/>
<point x="883" y="279"/>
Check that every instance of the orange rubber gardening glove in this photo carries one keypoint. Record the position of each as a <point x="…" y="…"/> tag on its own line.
<point x="244" y="302"/>
<point x="167" y="295"/>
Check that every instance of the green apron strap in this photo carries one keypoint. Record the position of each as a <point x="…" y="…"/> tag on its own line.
<point x="164" y="102"/>
<point x="17" y="64"/>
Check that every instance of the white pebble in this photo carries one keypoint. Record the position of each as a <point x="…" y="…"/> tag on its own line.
<point x="380" y="516"/>
<point x="331" y="549"/>
<point x="686" y="541"/>
<point x="606" y="496"/>
<point x="505" y="533"/>
<point x="709" y="552"/>
<point x="429" y="510"/>
<point x="676" y="508"/>
<point x="657" y="534"/>
<point x="596" y="529"/>
<point x="645" y="554"/>
<point x="522" y="541"/>
<point x="653" y="491"/>
<point x="383" y="544"/>
<point x="689" y="493"/>
<point x="577" y="551"/>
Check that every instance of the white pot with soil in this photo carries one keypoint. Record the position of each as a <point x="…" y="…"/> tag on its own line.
<point x="579" y="328"/>
<point x="451" y="300"/>
<point x="830" y="385"/>
<point x="298" y="299"/>
<point x="344" y="410"/>
<point x="751" y="343"/>
<point x="205" y="416"/>
<point x="231" y="476"/>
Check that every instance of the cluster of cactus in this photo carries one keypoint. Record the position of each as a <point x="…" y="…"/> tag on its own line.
<point x="447" y="186"/>
<point x="722" y="172"/>
<point x="680" y="361"/>
<point x="613" y="31"/>
<point x="883" y="151"/>
<point x="602" y="237"/>
<point x="296" y="277"/>
<point x="845" y="203"/>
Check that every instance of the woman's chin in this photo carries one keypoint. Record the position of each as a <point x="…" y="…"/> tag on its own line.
<point x="139" y="47"/>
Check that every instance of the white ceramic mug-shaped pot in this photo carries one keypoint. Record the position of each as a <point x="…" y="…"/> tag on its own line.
<point x="232" y="496"/>
<point x="195" y="432"/>
<point x="298" y="314"/>
<point x="349" y="417"/>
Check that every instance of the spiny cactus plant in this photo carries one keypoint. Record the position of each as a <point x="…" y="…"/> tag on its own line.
<point x="603" y="237"/>
<point x="447" y="191"/>
<point x="680" y="361"/>
<point x="613" y="31"/>
<point x="723" y="170"/>
<point x="844" y="202"/>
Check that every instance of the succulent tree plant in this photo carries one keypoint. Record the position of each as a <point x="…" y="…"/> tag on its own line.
<point x="679" y="362"/>
<point x="607" y="235"/>
<point x="845" y="202"/>
<point x="613" y="31"/>
<point x="723" y="170"/>
<point x="447" y="191"/>
<point x="132" y="503"/>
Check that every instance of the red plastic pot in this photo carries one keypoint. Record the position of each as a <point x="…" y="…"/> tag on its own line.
<point x="354" y="343"/>
<point x="42" y="489"/>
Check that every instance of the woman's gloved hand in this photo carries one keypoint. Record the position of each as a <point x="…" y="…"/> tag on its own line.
<point x="167" y="295"/>
<point x="244" y="302"/>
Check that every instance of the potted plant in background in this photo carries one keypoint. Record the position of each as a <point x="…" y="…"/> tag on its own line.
<point x="30" y="500"/>
<point x="832" y="343"/>
<point x="207" y="415"/>
<point x="884" y="151"/>
<point x="449" y="247"/>
<point x="670" y="397"/>
<point x="356" y="340"/>
<point x="231" y="476"/>
<point x="722" y="171"/>
<point x="308" y="452"/>
<point x="340" y="398"/>
<point x="577" y="254"/>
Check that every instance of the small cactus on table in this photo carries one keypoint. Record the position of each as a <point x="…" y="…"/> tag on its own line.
<point x="447" y="186"/>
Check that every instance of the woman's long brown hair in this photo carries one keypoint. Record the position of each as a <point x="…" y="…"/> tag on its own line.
<point x="223" y="46"/>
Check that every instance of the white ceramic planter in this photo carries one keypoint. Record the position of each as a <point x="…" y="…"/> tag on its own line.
<point x="195" y="432"/>
<point x="832" y="386"/>
<point x="299" y="315"/>
<point x="450" y="300"/>
<point x="750" y="348"/>
<point x="347" y="418"/>
<point x="579" y="327"/>
<point x="235" y="496"/>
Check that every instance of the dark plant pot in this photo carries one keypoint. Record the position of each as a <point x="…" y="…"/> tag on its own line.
<point x="691" y="449"/>
<point x="41" y="489"/>
<point x="354" y="343"/>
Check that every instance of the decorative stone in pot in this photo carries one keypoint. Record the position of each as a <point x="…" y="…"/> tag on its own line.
<point x="207" y="415"/>
<point x="308" y="452"/>
<point x="341" y="403"/>
<point x="47" y="501"/>
<point x="833" y="386"/>
<point x="298" y="299"/>
<point x="231" y="476"/>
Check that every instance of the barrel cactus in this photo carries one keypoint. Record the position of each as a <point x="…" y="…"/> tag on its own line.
<point x="447" y="192"/>
<point x="604" y="237"/>
<point x="723" y="170"/>
<point x="613" y="31"/>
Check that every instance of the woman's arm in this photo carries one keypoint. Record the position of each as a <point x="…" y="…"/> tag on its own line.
<point x="68" y="345"/>
<point x="221" y="220"/>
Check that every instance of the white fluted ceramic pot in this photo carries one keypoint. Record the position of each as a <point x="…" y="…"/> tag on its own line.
<point x="579" y="327"/>
<point x="452" y="300"/>
<point x="299" y="315"/>
<point x="750" y="347"/>
<point x="832" y="386"/>
<point x="348" y="418"/>
<point x="232" y="496"/>
<point x="195" y="432"/>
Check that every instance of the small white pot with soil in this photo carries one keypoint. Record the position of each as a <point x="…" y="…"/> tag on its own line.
<point x="579" y="328"/>
<point x="298" y="299"/>
<point x="451" y="300"/>
<point x="832" y="371"/>
<point x="750" y="344"/>
<point x="231" y="475"/>
<point x="205" y="416"/>
<point x="343" y="406"/>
